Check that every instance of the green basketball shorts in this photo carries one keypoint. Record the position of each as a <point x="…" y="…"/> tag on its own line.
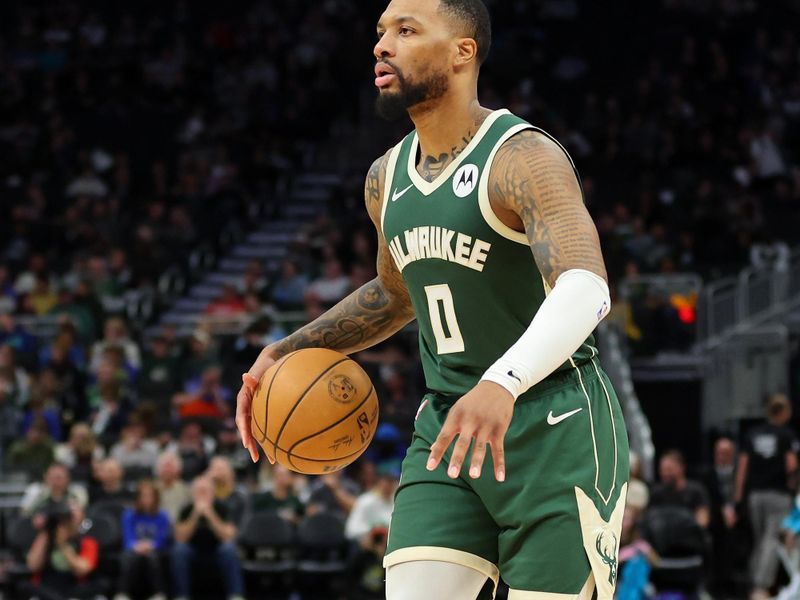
<point x="552" y="529"/>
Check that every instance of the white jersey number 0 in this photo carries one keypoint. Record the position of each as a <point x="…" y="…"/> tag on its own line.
<point x="440" y="301"/>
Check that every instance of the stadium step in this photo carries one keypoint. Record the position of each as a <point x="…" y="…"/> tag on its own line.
<point x="303" y="210"/>
<point x="206" y="292"/>
<point x="318" y="179"/>
<point x="271" y="237"/>
<point x="222" y="278"/>
<point x="233" y="265"/>
<point x="253" y="251"/>
<point x="191" y="304"/>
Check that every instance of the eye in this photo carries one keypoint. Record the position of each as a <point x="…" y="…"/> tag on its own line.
<point x="380" y="34"/>
<point x="405" y="31"/>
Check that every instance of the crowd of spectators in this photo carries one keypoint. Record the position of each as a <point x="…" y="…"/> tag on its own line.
<point x="133" y="134"/>
<point x="725" y="529"/>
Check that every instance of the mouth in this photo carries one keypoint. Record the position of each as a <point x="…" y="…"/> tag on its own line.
<point x="384" y="75"/>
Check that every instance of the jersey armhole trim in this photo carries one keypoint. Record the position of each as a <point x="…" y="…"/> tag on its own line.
<point x="492" y="220"/>
<point x="387" y="183"/>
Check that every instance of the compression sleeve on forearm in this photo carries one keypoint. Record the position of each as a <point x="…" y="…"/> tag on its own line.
<point x="577" y="303"/>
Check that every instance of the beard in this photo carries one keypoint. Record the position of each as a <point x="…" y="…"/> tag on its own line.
<point x="393" y="105"/>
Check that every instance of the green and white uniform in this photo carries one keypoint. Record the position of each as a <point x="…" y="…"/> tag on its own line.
<point x="475" y="288"/>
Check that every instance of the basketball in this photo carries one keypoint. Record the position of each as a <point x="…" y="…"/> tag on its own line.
<point x="315" y="411"/>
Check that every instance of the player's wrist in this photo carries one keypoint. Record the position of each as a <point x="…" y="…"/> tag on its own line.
<point x="496" y="374"/>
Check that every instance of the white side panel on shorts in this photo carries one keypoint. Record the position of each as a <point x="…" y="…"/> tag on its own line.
<point x="601" y="540"/>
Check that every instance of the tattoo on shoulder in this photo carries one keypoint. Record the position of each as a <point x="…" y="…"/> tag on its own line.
<point x="373" y="187"/>
<point x="532" y="177"/>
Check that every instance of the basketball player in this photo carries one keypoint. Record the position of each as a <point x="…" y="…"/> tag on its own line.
<point x="485" y="240"/>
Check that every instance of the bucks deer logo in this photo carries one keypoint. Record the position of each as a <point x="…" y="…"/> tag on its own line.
<point x="606" y="545"/>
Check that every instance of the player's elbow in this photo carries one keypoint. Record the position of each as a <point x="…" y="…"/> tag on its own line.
<point x="588" y="286"/>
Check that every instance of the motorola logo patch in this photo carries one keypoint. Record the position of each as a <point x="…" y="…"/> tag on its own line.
<point x="465" y="180"/>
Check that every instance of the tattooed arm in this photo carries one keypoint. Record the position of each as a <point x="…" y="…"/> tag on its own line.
<point x="370" y="314"/>
<point x="367" y="316"/>
<point x="533" y="188"/>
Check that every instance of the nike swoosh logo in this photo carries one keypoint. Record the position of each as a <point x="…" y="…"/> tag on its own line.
<point x="397" y="195"/>
<point x="551" y="420"/>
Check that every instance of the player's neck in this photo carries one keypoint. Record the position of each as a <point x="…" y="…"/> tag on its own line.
<point x="444" y="130"/>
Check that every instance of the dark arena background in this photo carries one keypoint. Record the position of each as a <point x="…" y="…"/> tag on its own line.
<point x="181" y="183"/>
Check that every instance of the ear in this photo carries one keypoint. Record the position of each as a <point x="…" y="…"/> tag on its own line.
<point x="466" y="52"/>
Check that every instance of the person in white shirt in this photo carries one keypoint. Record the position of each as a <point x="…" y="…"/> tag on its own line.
<point x="374" y="508"/>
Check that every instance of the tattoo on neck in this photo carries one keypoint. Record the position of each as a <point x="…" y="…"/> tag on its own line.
<point x="433" y="166"/>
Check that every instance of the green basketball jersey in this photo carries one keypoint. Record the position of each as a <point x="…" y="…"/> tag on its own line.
<point x="473" y="281"/>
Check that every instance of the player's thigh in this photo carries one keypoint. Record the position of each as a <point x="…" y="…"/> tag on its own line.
<point x="433" y="580"/>
<point x="562" y="514"/>
<point x="436" y="518"/>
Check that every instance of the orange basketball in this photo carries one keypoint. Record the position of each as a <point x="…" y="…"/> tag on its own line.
<point x="315" y="411"/>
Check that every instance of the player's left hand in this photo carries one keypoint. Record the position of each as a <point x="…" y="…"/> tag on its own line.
<point x="484" y="414"/>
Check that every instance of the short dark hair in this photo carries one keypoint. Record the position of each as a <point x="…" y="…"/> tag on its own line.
<point x="675" y="455"/>
<point x="474" y="16"/>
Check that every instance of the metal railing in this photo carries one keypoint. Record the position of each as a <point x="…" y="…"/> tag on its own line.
<point x="734" y="304"/>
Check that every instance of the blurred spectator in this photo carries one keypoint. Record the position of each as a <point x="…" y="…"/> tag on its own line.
<point x="332" y="286"/>
<point x="33" y="453"/>
<point x="65" y="394"/>
<point x="145" y="536"/>
<point x="62" y="558"/>
<point x="638" y="493"/>
<point x="204" y="537"/>
<point x="206" y="398"/>
<point x="253" y="280"/>
<point x="729" y="547"/>
<point x="37" y="410"/>
<point x="173" y="491"/>
<point x="9" y="416"/>
<point x="110" y="486"/>
<point x="192" y="451"/>
<point x="37" y="268"/>
<point x="133" y="451"/>
<point x="281" y="496"/>
<point x="8" y="295"/>
<point x="225" y="489"/>
<point x="767" y="465"/>
<point x="115" y="335"/>
<point x="333" y="493"/>
<point x="16" y="337"/>
<point x="373" y="508"/>
<point x="16" y="379"/>
<point x="229" y="447"/>
<point x="42" y="298"/>
<point x="674" y="489"/>
<point x="111" y="414"/>
<point x="56" y="489"/>
<point x="229" y="304"/>
<point x="80" y="452"/>
<point x="201" y="355"/>
<point x="159" y="376"/>
<point x="290" y="290"/>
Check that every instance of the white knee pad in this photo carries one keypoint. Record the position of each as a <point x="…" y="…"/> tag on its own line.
<point x="432" y="580"/>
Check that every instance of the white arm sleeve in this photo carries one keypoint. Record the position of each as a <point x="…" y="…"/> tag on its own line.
<point x="578" y="302"/>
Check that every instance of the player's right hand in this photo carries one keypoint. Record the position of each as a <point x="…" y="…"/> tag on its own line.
<point x="244" y="401"/>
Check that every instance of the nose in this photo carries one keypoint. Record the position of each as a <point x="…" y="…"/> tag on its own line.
<point x="383" y="48"/>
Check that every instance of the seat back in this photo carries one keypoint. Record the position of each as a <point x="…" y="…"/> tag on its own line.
<point x="105" y="530"/>
<point x="107" y="508"/>
<point x="321" y="537"/>
<point x="267" y="536"/>
<point x="21" y="534"/>
<point x="266" y="529"/>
